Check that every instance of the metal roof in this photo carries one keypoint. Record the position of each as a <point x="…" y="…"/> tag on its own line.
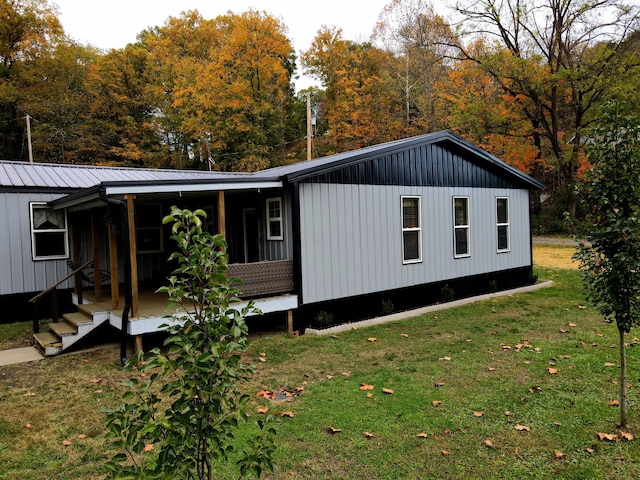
<point x="72" y="177"/>
<point x="311" y="168"/>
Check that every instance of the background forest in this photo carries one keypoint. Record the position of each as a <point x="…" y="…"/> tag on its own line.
<point x="525" y="80"/>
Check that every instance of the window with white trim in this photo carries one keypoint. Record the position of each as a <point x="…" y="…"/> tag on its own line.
<point x="461" y="227"/>
<point x="502" y="224"/>
<point x="411" y="230"/>
<point x="49" y="234"/>
<point x="274" y="219"/>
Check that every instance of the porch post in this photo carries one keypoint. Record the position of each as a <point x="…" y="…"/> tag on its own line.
<point x="75" y="238"/>
<point x="113" y="267"/>
<point x="132" y="252"/>
<point x="95" y="240"/>
<point x="222" y="227"/>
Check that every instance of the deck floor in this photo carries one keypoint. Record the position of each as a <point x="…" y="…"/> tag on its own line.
<point x="150" y="303"/>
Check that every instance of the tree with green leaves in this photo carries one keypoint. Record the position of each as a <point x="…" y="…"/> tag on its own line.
<point x="181" y="422"/>
<point x="610" y="257"/>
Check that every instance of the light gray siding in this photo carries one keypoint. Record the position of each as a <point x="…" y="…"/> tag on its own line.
<point x="19" y="273"/>
<point x="351" y="237"/>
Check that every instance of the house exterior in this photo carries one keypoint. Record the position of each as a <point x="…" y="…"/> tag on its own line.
<point x="416" y="212"/>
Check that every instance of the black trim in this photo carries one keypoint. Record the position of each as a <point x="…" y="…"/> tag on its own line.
<point x="297" y="242"/>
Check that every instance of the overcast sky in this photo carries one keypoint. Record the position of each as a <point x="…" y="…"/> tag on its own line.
<point x="115" y="23"/>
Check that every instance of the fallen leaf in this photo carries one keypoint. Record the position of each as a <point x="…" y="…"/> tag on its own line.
<point x="29" y="394"/>
<point x="581" y="306"/>
<point x="371" y="339"/>
<point x="148" y="447"/>
<point x="444" y="452"/>
<point x="446" y="431"/>
<point x="492" y="369"/>
<point x="329" y="377"/>
<point x="438" y="384"/>
<point x="96" y="380"/>
<point x="609" y="364"/>
<point x="333" y="430"/>
<point x="367" y="434"/>
<point x="262" y="354"/>
<point x="422" y="435"/>
<point x="81" y="436"/>
<point x="488" y="443"/>
<point x="613" y="403"/>
<point x="626" y="436"/>
<point x="28" y="425"/>
<point x="522" y="428"/>
<point x="478" y="414"/>
<point x="287" y="414"/>
<point x="535" y="389"/>
<point x="369" y="394"/>
<point x="563" y="330"/>
<point x="261" y="393"/>
<point x="262" y="409"/>
<point x="557" y="424"/>
<point x="608" y="436"/>
<point x="365" y="386"/>
<point x="346" y="374"/>
<point x="552" y="371"/>
<point x="446" y="359"/>
<point x="516" y="450"/>
<point x="558" y="454"/>
<point x="573" y="325"/>
<point x="589" y="450"/>
<point x="262" y="359"/>
<point x="436" y="403"/>
<point x="66" y="443"/>
<point x="507" y="413"/>
<point x="98" y="392"/>
<point x="388" y="391"/>
<point x="468" y="340"/>
<point x="404" y="335"/>
<point x="537" y="349"/>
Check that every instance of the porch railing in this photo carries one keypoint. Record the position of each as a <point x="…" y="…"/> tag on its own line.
<point x="54" y="298"/>
<point x="263" y="278"/>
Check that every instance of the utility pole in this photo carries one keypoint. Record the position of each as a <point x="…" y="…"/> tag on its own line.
<point x="309" y="131"/>
<point x="28" y="119"/>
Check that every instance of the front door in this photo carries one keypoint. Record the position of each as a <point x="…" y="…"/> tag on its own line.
<point x="251" y="235"/>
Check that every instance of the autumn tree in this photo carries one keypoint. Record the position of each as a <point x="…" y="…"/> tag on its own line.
<point x="553" y="57"/>
<point x="362" y="109"/>
<point x="610" y="259"/>
<point x="27" y="30"/>
<point x="418" y="42"/>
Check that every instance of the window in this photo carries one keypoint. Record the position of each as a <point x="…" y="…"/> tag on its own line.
<point x="461" y="227"/>
<point x="149" y="228"/>
<point x="411" y="230"/>
<point x="502" y="223"/>
<point x="274" y="219"/>
<point x="49" y="236"/>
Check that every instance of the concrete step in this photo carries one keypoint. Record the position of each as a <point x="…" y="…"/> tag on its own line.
<point x="47" y="343"/>
<point x="62" y="329"/>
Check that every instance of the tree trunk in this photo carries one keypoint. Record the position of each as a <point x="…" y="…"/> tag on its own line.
<point x="623" y="380"/>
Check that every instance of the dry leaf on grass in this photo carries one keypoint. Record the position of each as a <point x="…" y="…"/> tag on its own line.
<point x="404" y="335"/>
<point x="552" y="371"/>
<point x="81" y="436"/>
<point x="610" y="437"/>
<point x="369" y="394"/>
<point x="367" y="434"/>
<point x="436" y="403"/>
<point x="589" y="450"/>
<point x="488" y="443"/>
<point x="446" y="359"/>
<point x="558" y="454"/>
<point x="626" y="436"/>
<point x="444" y="452"/>
<point x="522" y="428"/>
<point x="609" y="364"/>
<point x="29" y="394"/>
<point x="613" y="403"/>
<point x="388" y="391"/>
<point x="366" y="386"/>
<point x="148" y="447"/>
<point x="573" y="325"/>
<point x="371" y="339"/>
<point x="262" y="359"/>
<point x="262" y="410"/>
<point x="287" y="414"/>
<point x="478" y="414"/>
<point x="333" y="430"/>
<point x="66" y="443"/>
<point x="422" y="435"/>
<point x="96" y="380"/>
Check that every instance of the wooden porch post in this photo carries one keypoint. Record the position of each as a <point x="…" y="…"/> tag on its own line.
<point x="222" y="227"/>
<point x="113" y="267"/>
<point x="132" y="251"/>
<point x="289" y="322"/>
<point x="95" y="240"/>
<point x="77" y="279"/>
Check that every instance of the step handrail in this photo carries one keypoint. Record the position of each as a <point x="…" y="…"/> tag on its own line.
<point x="54" y="286"/>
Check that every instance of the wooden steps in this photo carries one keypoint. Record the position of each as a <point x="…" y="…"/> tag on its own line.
<point x="73" y="327"/>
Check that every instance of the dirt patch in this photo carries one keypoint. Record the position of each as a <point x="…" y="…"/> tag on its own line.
<point x="554" y="256"/>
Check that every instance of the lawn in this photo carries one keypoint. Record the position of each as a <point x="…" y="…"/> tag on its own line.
<point x="514" y="387"/>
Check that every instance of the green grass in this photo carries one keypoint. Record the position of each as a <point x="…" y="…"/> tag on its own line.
<point x="564" y="411"/>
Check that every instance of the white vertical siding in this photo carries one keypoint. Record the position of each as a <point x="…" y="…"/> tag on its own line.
<point x="18" y="272"/>
<point x="351" y="237"/>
